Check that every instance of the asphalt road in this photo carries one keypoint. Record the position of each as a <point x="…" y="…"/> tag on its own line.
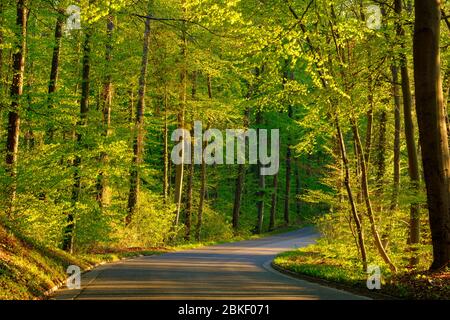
<point x="239" y="270"/>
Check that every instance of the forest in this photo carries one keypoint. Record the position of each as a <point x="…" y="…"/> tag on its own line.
<point x="92" y="91"/>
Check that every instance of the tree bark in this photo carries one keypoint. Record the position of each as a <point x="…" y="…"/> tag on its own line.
<point x="190" y="186"/>
<point x="203" y="178"/>
<point x="381" y="151"/>
<point x="355" y="215"/>
<point x="261" y="187"/>
<point x="240" y="179"/>
<point x="432" y="126"/>
<point x="413" y="164"/>
<point x="287" y="198"/>
<point x="288" y="176"/>
<point x="368" y="143"/>
<point x="238" y="196"/>
<point x="179" y="169"/>
<point x="68" y="240"/>
<point x="166" y="179"/>
<point x="138" y="143"/>
<point x="18" y="70"/>
<point x="297" y="188"/>
<point x="273" y="207"/>
<point x="397" y="129"/>
<point x="396" y="164"/>
<point x="202" y="198"/>
<point x="102" y="186"/>
<point x="54" y="72"/>
<point x="365" y="192"/>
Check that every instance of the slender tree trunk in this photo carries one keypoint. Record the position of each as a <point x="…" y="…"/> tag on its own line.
<point x="396" y="164"/>
<point x="273" y="207"/>
<point x="368" y="144"/>
<point x="238" y="196"/>
<point x="365" y="192"/>
<point x="355" y="215"/>
<point x="261" y="187"/>
<point x="413" y="163"/>
<point x="297" y="188"/>
<point x="397" y="129"/>
<point x="102" y="185"/>
<point x="166" y="149"/>
<point x="203" y="178"/>
<point x="138" y="144"/>
<point x="190" y="184"/>
<point x="288" y="177"/>
<point x="381" y="155"/>
<point x="260" y="203"/>
<point x="18" y="69"/>
<point x="179" y="170"/>
<point x="240" y="180"/>
<point x="54" y="72"/>
<point x="202" y="198"/>
<point x="29" y="137"/>
<point x="432" y="126"/>
<point x="68" y="240"/>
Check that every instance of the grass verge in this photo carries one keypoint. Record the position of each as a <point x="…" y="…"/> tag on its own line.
<point x="312" y="264"/>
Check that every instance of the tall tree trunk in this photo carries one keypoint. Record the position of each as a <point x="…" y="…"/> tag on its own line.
<point x="287" y="198"/>
<point x="396" y="176"/>
<point x="203" y="179"/>
<point x="432" y="126"/>
<point x="273" y="207"/>
<point x="18" y="69"/>
<point x="102" y="184"/>
<point x="261" y="186"/>
<point x="381" y="150"/>
<point x="138" y="144"/>
<point x="68" y="240"/>
<point x="368" y="144"/>
<point x="240" y="179"/>
<point x="297" y="187"/>
<point x="202" y="198"/>
<point x="351" y="199"/>
<point x="238" y="196"/>
<point x="54" y="72"/>
<point x="166" y="179"/>
<point x="397" y="129"/>
<point x="413" y="163"/>
<point x="179" y="169"/>
<point x="190" y="184"/>
<point x="365" y="192"/>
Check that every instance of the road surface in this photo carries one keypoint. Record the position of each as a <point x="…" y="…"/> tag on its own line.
<point x="239" y="270"/>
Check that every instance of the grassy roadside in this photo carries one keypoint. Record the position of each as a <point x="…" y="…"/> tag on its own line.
<point x="28" y="269"/>
<point x="313" y="265"/>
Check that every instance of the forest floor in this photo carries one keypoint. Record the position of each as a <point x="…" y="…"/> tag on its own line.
<point x="313" y="264"/>
<point x="29" y="270"/>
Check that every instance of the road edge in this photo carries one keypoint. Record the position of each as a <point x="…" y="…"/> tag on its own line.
<point x="332" y="284"/>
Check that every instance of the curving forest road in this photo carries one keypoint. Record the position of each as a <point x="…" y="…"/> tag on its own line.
<point x="239" y="270"/>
